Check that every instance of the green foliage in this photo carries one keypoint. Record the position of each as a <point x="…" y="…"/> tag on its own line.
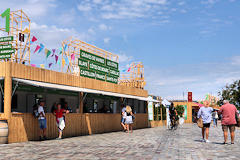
<point x="180" y="110"/>
<point x="231" y="92"/>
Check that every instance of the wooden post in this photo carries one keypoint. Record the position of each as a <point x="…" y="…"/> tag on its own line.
<point x="161" y="114"/>
<point x="80" y="102"/>
<point x="8" y="91"/>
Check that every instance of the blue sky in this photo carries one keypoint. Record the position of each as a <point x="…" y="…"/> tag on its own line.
<point x="185" y="45"/>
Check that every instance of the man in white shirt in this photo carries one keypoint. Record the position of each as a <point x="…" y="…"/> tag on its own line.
<point x="42" y="121"/>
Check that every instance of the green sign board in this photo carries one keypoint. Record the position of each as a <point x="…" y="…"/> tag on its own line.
<point x="7" y="51"/>
<point x="185" y="112"/>
<point x="100" y="76"/>
<point x="114" y="72"/>
<point x="82" y="63"/>
<point x="6" y="39"/>
<point x="111" y="79"/>
<point x="3" y="56"/>
<point x="97" y="67"/>
<point x="87" y="73"/>
<point x="111" y="64"/>
<point x="6" y="46"/>
<point x="92" y="57"/>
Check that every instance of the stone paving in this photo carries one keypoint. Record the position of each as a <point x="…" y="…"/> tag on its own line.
<point x="150" y="143"/>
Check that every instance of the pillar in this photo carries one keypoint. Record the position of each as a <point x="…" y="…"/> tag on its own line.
<point x="80" y="102"/>
<point x="8" y="91"/>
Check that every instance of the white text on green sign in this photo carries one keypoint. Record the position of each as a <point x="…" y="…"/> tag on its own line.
<point x="92" y="57"/>
<point x="82" y="63"/>
<point x="97" y="67"/>
<point x="112" y="64"/>
<point x="3" y="56"/>
<point x="87" y="73"/>
<point x="7" y="51"/>
<point x="6" y="39"/>
<point x="7" y="46"/>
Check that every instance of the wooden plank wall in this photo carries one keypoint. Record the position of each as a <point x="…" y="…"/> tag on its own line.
<point x="24" y="127"/>
<point x="158" y="123"/>
<point x="189" y="110"/>
<point x="38" y="74"/>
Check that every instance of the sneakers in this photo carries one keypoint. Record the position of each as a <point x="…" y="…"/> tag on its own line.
<point x="207" y="141"/>
<point x="202" y="140"/>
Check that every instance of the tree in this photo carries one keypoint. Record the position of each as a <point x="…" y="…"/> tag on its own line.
<point x="180" y="110"/>
<point x="231" y="92"/>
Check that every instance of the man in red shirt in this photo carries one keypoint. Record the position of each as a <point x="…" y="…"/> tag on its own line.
<point x="228" y="112"/>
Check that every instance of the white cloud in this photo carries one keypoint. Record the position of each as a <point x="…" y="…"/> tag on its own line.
<point x="236" y="60"/>
<point x="173" y="81"/>
<point x="34" y="8"/>
<point x="103" y="27"/>
<point x="84" y="8"/>
<point x="124" y="58"/>
<point x="106" y="40"/>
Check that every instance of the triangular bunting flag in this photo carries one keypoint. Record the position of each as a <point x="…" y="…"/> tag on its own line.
<point x="129" y="69"/>
<point x="49" y="65"/>
<point x="56" y="58"/>
<point x="41" y="47"/>
<point x="34" y="39"/>
<point x="72" y="57"/>
<point x="63" y="62"/>
<point x="26" y="30"/>
<point x="37" y="48"/>
<point x="48" y="53"/>
<point x="42" y="66"/>
<point x="65" y="47"/>
<point x="33" y="65"/>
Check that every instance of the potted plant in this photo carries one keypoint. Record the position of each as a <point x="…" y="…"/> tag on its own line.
<point x="180" y="111"/>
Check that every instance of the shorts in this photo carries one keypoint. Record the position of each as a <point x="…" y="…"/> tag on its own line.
<point x="123" y="120"/>
<point x="231" y="128"/>
<point x="206" y="125"/>
<point x="42" y="123"/>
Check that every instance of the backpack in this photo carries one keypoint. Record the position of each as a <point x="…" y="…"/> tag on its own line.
<point x="35" y="111"/>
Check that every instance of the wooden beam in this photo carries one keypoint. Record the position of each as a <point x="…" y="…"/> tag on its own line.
<point x="80" y="102"/>
<point x="8" y="91"/>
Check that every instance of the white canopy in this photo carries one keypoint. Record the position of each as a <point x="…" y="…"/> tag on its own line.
<point x="166" y="103"/>
<point x="150" y="99"/>
<point x="78" y="89"/>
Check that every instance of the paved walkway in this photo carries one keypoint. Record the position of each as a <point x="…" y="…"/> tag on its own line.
<point x="151" y="143"/>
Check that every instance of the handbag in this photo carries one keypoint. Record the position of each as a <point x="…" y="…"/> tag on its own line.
<point x="200" y="122"/>
<point x="237" y="120"/>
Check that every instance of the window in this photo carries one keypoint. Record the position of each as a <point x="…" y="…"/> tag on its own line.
<point x="14" y="101"/>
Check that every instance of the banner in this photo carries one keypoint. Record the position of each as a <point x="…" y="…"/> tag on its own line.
<point x="150" y="111"/>
<point x="100" y="76"/>
<point x="185" y="112"/>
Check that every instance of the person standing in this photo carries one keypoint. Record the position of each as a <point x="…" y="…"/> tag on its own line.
<point x="129" y="118"/>
<point x="205" y="112"/>
<point x="228" y="112"/>
<point x="123" y="117"/>
<point x="42" y="121"/>
<point x="60" y="120"/>
<point x="215" y="118"/>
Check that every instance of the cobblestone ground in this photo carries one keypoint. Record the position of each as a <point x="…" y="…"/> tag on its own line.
<point x="151" y="143"/>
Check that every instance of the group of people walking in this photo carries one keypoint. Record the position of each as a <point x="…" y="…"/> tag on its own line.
<point x="59" y="113"/>
<point x="228" y="114"/>
<point x="127" y="118"/>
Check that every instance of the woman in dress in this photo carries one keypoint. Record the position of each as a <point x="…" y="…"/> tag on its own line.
<point x="60" y="113"/>
<point x="129" y="118"/>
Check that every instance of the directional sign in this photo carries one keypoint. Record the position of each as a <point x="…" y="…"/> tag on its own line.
<point x="6" y="39"/>
<point x="7" y="51"/>
<point x="6" y="46"/>
<point x="3" y="56"/>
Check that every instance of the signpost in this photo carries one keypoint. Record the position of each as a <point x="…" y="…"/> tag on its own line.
<point x="96" y="67"/>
